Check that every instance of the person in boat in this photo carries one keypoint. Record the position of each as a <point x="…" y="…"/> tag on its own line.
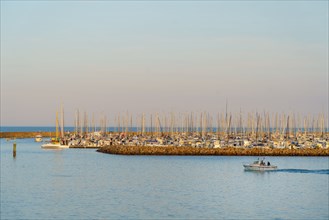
<point x="268" y="163"/>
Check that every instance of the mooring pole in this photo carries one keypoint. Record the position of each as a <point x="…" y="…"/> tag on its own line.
<point x="14" y="149"/>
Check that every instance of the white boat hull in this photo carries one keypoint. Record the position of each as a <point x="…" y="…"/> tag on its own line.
<point x="54" y="146"/>
<point x="256" y="167"/>
<point x="38" y="139"/>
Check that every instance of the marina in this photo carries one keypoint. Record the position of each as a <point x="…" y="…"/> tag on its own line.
<point x="257" y="132"/>
<point x="164" y="110"/>
<point x="287" y="131"/>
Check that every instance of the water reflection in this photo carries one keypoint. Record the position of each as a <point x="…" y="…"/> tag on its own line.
<point x="57" y="171"/>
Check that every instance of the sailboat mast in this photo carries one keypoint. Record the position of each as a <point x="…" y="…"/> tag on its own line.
<point x="62" y="122"/>
<point x="57" y="125"/>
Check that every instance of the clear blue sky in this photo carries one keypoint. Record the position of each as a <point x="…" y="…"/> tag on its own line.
<point x="163" y="56"/>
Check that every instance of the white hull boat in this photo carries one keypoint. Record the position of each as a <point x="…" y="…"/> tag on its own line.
<point x="54" y="146"/>
<point x="38" y="138"/>
<point x="260" y="165"/>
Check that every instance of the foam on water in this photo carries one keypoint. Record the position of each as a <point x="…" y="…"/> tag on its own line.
<point x="322" y="171"/>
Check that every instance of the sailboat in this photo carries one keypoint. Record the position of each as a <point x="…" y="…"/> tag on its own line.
<point x="57" y="143"/>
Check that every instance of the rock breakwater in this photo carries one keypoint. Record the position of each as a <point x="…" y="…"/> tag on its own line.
<point x="228" y="151"/>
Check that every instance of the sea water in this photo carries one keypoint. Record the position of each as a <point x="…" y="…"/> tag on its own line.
<point x="85" y="184"/>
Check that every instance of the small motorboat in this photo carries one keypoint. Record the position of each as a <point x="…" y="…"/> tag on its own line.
<point x="260" y="165"/>
<point x="38" y="138"/>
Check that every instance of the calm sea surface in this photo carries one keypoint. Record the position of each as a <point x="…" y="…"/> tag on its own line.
<point x="84" y="184"/>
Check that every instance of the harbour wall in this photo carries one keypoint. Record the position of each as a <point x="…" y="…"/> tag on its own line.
<point x="26" y="134"/>
<point x="228" y="151"/>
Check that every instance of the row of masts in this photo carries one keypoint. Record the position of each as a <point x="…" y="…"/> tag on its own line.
<point x="203" y="123"/>
<point x="60" y="124"/>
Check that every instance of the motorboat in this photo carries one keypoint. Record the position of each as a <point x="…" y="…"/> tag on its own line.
<point x="260" y="165"/>
<point x="38" y="138"/>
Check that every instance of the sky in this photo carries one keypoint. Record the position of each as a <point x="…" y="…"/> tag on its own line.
<point x="108" y="57"/>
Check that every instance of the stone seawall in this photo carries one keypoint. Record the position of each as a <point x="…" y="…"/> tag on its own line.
<point x="191" y="151"/>
<point x="26" y="134"/>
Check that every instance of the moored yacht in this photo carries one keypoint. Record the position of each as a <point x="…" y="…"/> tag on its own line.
<point x="54" y="145"/>
<point x="38" y="138"/>
<point x="58" y="143"/>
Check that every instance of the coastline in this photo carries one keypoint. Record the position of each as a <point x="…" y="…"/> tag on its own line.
<point x="26" y="134"/>
<point x="192" y="151"/>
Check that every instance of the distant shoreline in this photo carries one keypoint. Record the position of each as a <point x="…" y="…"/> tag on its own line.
<point x="193" y="151"/>
<point x="26" y="134"/>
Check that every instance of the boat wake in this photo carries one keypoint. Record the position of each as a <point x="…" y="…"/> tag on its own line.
<point x="324" y="171"/>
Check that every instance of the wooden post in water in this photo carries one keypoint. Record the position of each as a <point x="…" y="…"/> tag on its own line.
<point x="14" y="149"/>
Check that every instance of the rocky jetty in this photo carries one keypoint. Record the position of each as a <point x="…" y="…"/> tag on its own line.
<point x="228" y="151"/>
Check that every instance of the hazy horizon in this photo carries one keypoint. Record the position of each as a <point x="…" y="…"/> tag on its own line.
<point x="112" y="57"/>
